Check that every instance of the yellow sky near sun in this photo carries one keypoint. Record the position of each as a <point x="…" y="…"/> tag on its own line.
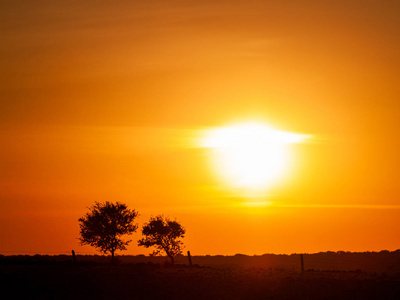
<point x="105" y="102"/>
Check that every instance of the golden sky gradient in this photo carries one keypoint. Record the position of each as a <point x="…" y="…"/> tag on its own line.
<point x="106" y="101"/>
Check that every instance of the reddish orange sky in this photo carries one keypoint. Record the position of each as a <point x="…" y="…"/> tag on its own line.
<point x="105" y="102"/>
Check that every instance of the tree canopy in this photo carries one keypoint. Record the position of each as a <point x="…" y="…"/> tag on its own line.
<point x="104" y="225"/>
<point x="163" y="234"/>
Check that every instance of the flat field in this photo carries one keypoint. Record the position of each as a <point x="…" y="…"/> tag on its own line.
<point x="38" y="278"/>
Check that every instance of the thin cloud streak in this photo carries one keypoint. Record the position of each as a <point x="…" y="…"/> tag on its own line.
<point x="361" y="206"/>
<point x="266" y="205"/>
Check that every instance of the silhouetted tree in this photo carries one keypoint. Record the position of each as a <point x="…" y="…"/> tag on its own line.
<point x="104" y="224"/>
<point x="164" y="235"/>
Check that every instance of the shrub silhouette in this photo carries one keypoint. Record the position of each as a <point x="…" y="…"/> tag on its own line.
<point x="104" y="224"/>
<point x="163" y="234"/>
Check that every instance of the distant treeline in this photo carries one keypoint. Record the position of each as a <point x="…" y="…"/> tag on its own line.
<point x="380" y="262"/>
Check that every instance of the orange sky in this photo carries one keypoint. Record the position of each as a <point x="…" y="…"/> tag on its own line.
<point x="105" y="102"/>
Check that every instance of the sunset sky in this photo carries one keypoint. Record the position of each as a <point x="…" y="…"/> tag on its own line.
<point x="112" y="101"/>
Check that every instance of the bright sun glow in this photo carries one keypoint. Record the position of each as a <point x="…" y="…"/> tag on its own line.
<point x="251" y="155"/>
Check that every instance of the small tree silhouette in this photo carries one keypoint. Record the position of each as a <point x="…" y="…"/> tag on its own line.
<point x="105" y="223"/>
<point x="163" y="234"/>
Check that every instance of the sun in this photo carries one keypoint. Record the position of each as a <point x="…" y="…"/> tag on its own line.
<point x="250" y="155"/>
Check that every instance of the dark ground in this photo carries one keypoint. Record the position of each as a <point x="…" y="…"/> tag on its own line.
<point x="150" y="281"/>
<point x="36" y="277"/>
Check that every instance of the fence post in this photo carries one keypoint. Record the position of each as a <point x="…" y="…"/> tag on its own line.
<point x="190" y="258"/>
<point x="302" y="264"/>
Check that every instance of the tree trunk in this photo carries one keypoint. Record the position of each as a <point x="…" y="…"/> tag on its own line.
<point x="112" y="255"/>
<point x="172" y="260"/>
